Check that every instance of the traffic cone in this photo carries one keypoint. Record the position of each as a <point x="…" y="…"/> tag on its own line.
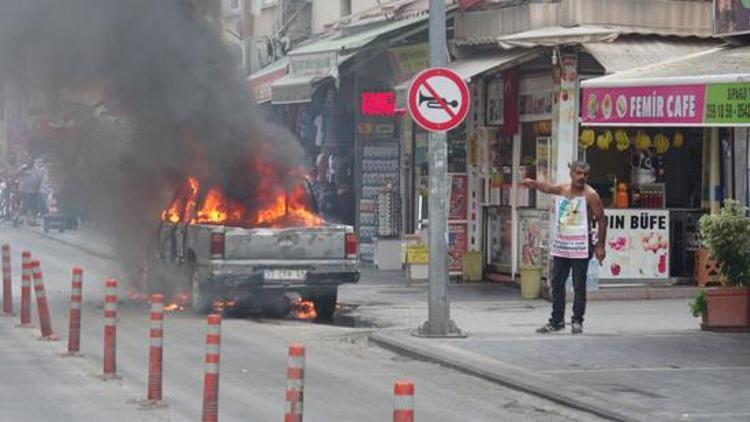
<point x="41" y="301"/>
<point x="295" y="384"/>
<point x="25" y="290"/>
<point x="110" y="330"/>
<point x="74" y="328"/>
<point x="403" y="405"/>
<point x="211" y="379"/>
<point x="155" y="355"/>
<point x="7" y="284"/>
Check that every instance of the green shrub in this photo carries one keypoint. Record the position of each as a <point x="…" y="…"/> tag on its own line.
<point x="699" y="304"/>
<point x="727" y="236"/>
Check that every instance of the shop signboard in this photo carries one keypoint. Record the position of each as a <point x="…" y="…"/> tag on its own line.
<point x="713" y="104"/>
<point x="637" y="244"/>
<point x="731" y="17"/>
<point x="260" y="85"/>
<point x="322" y="64"/>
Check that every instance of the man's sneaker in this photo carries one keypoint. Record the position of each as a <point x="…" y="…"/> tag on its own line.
<point x="550" y="328"/>
<point x="576" y="328"/>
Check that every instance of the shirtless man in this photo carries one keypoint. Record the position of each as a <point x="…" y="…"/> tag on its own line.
<point x="561" y="266"/>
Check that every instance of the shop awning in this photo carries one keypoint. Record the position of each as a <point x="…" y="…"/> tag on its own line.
<point x="469" y="67"/>
<point x="313" y="63"/>
<point x="711" y="88"/>
<point x="259" y="83"/>
<point x="296" y="89"/>
<point x="558" y="35"/>
<point x="344" y="43"/>
<point x="632" y="52"/>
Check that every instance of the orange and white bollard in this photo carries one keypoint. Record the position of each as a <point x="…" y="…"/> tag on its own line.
<point x="211" y="380"/>
<point x="295" y="384"/>
<point x="76" y="296"/>
<point x="7" y="285"/>
<point x="26" y="289"/>
<point x="41" y="301"/>
<point x="156" y="336"/>
<point x="110" y="329"/>
<point x="403" y="406"/>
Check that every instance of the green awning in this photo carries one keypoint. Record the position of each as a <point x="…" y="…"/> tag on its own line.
<point x="348" y="43"/>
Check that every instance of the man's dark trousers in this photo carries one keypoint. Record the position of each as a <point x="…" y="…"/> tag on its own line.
<point x="561" y="267"/>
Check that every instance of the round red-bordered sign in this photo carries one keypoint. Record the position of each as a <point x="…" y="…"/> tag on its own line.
<point x="438" y="99"/>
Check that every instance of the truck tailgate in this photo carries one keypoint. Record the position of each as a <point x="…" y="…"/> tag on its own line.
<point x="327" y="242"/>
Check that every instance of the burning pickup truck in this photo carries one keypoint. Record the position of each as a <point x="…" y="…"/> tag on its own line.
<point x="257" y="254"/>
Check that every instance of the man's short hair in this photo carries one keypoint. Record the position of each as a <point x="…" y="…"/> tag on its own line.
<point x="579" y="165"/>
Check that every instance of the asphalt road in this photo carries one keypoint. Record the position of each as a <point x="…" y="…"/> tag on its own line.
<point x="347" y="378"/>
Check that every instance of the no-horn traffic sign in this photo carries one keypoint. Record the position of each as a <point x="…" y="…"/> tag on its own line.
<point x="438" y="99"/>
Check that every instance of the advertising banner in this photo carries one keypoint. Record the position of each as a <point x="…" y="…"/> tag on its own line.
<point x="673" y="105"/>
<point x="637" y="244"/>
<point x="458" y="197"/>
<point x="457" y="244"/>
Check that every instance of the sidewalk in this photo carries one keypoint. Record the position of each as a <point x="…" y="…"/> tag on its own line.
<point x="85" y="238"/>
<point x="637" y="361"/>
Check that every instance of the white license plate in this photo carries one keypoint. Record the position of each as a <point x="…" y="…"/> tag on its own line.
<point x="284" y="274"/>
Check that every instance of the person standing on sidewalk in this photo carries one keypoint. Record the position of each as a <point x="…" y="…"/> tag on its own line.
<point x="577" y="207"/>
<point x="29" y="183"/>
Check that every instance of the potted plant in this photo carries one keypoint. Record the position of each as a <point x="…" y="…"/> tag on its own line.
<point x="698" y="306"/>
<point x="727" y="236"/>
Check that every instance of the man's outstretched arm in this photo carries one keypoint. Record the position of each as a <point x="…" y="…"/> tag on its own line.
<point x="543" y="186"/>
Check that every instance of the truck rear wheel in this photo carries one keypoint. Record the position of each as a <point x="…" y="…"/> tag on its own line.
<point x="200" y="300"/>
<point x="325" y="303"/>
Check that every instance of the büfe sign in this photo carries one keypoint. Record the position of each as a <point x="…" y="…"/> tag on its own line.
<point x="637" y="245"/>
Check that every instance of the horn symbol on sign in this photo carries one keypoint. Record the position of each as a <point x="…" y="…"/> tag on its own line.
<point x="433" y="102"/>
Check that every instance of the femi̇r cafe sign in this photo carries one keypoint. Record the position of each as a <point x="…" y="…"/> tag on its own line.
<point x="713" y="104"/>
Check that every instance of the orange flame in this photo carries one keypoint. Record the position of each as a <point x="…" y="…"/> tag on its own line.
<point x="279" y="208"/>
<point x="304" y="309"/>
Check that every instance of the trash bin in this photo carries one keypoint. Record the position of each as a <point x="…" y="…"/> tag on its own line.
<point x="531" y="282"/>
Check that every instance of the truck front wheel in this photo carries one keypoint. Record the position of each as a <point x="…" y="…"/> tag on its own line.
<point x="325" y="303"/>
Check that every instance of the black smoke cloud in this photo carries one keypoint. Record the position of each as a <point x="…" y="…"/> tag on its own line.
<point x="167" y="67"/>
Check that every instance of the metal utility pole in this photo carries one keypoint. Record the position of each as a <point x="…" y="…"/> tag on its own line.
<point x="438" y="323"/>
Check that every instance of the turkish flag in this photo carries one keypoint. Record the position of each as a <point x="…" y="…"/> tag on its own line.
<point x="510" y="102"/>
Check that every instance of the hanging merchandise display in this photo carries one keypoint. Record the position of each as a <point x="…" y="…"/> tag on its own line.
<point x="661" y="143"/>
<point x="622" y="140"/>
<point x="389" y="214"/>
<point x="380" y="172"/>
<point x="642" y="140"/>
<point x="587" y="138"/>
<point x="678" y="140"/>
<point x="604" y="139"/>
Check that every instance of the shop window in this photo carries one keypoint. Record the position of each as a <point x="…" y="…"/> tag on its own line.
<point x="535" y="143"/>
<point x="659" y="167"/>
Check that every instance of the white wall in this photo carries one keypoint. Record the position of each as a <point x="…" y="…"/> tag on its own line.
<point x="324" y="12"/>
<point x="362" y="5"/>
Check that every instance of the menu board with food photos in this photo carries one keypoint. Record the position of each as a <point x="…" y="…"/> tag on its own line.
<point x="637" y="244"/>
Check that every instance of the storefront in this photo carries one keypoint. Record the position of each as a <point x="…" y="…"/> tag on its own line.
<point x="666" y="144"/>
